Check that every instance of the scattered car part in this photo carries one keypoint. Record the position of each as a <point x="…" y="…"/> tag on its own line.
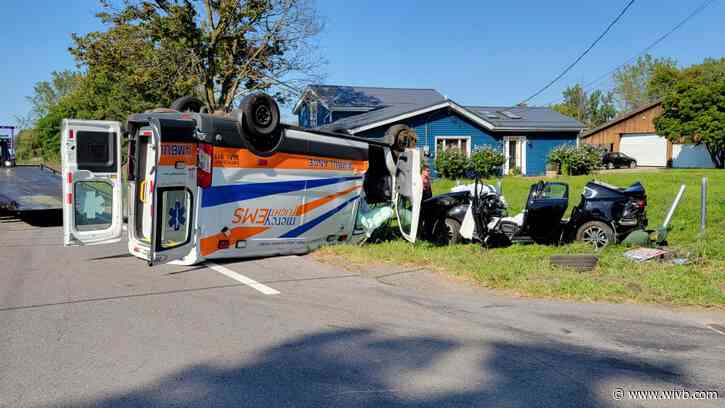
<point x="645" y="254"/>
<point x="579" y="262"/>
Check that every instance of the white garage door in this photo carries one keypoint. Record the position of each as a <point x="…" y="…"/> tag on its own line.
<point x="690" y="155"/>
<point x="647" y="149"/>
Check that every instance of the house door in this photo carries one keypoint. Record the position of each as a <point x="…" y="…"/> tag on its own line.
<point x="515" y="155"/>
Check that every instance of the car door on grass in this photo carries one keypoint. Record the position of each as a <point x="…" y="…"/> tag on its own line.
<point x="408" y="193"/>
<point x="545" y="208"/>
<point x="92" y="185"/>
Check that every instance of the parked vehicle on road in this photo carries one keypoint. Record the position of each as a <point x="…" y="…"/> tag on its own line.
<point x="203" y="186"/>
<point x="616" y="160"/>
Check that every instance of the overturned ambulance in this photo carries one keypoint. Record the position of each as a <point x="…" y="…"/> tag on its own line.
<point x="205" y="186"/>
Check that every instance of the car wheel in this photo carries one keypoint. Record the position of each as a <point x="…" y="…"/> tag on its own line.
<point x="610" y="166"/>
<point x="595" y="233"/>
<point x="633" y="165"/>
<point x="448" y="232"/>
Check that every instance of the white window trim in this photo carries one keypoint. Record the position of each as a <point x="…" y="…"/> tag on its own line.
<point x="522" y="140"/>
<point x="468" y="145"/>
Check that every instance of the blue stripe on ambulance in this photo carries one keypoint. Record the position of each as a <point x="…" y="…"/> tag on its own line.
<point x="316" y="221"/>
<point x="218" y="195"/>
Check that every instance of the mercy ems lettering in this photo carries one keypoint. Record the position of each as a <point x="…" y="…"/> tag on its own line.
<point x="266" y="216"/>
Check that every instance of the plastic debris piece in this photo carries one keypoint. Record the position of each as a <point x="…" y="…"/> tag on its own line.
<point x="645" y="254"/>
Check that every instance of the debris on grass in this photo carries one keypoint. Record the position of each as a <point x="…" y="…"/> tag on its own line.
<point x="645" y="254"/>
<point x="579" y="262"/>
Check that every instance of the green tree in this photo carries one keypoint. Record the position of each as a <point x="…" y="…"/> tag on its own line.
<point x="48" y="93"/>
<point x="632" y="83"/>
<point x="591" y="109"/>
<point x="218" y="49"/>
<point x="47" y="128"/>
<point x="694" y="109"/>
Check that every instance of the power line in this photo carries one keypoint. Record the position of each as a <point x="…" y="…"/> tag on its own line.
<point x="656" y="42"/>
<point x="653" y="44"/>
<point x="583" y="54"/>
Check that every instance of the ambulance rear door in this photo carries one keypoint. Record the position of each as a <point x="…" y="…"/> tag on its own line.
<point x="92" y="184"/>
<point x="173" y="192"/>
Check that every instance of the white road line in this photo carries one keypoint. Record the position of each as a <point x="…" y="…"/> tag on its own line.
<point x="243" y="279"/>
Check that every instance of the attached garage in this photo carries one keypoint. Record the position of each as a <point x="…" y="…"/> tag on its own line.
<point x="648" y="149"/>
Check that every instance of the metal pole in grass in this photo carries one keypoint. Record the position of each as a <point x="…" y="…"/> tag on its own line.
<point x="703" y="205"/>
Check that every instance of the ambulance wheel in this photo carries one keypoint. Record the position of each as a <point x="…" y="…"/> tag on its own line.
<point x="260" y="115"/>
<point x="401" y="136"/>
<point x="187" y="104"/>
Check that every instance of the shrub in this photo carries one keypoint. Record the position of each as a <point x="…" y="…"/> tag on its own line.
<point x="487" y="161"/>
<point x="574" y="161"/>
<point x="451" y="164"/>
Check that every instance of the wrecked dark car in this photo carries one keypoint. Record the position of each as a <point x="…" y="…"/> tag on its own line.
<point x="605" y="214"/>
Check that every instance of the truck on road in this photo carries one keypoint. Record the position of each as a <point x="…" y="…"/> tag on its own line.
<point x="26" y="188"/>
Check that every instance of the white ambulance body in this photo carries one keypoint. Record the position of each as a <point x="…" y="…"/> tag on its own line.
<point x="205" y="187"/>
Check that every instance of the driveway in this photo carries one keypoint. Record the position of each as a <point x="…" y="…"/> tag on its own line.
<point x="92" y="326"/>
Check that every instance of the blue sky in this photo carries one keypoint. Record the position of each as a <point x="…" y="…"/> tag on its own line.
<point x="474" y="52"/>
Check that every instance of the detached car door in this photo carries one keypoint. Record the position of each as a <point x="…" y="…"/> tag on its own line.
<point x="544" y="210"/>
<point x="408" y="193"/>
<point x="174" y="190"/>
<point x="92" y="184"/>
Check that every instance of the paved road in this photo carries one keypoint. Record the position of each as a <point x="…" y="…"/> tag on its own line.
<point x="95" y="327"/>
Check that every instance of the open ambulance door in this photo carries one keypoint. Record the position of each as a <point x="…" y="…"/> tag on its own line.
<point x="408" y="193"/>
<point x="92" y="184"/>
<point x="173" y="190"/>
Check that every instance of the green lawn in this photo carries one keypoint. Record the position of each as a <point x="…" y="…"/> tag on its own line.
<point x="525" y="269"/>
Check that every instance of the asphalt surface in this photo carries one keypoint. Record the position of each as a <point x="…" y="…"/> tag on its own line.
<point x="93" y="326"/>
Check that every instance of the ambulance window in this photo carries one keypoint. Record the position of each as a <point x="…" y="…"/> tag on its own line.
<point x="175" y="218"/>
<point x="93" y="205"/>
<point x="96" y="151"/>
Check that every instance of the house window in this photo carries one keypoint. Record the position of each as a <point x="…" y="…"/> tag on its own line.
<point x="448" y="143"/>
<point x="313" y="114"/>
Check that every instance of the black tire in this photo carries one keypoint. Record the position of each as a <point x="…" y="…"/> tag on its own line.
<point x="260" y="115"/>
<point x="610" y="166"/>
<point x="187" y="104"/>
<point x="595" y="233"/>
<point x="448" y="232"/>
<point x="633" y="165"/>
<point x="401" y="136"/>
<point x="258" y="120"/>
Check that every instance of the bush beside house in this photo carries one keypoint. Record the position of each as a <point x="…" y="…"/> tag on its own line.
<point x="575" y="160"/>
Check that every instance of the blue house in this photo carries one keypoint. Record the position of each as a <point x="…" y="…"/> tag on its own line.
<point x="525" y="135"/>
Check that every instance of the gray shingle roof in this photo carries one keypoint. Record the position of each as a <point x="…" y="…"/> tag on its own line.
<point x="377" y="115"/>
<point x="387" y="103"/>
<point x="530" y="117"/>
<point x="335" y="96"/>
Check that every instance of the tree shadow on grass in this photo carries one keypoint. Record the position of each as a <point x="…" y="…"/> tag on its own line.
<point x="365" y="368"/>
